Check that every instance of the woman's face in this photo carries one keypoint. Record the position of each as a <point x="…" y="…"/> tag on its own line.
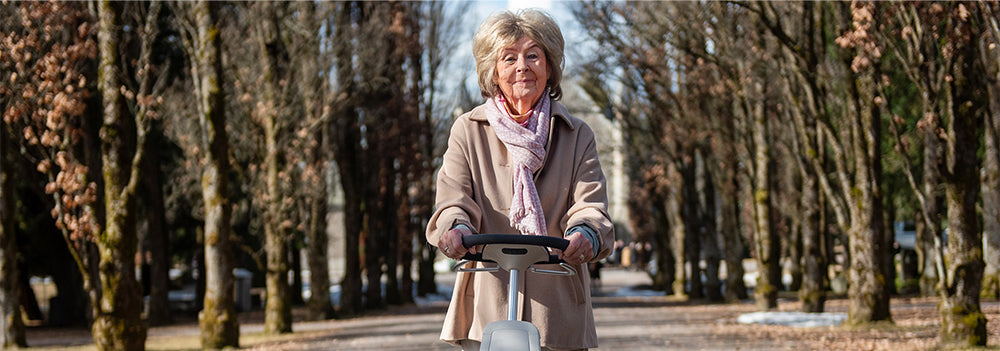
<point x="522" y="72"/>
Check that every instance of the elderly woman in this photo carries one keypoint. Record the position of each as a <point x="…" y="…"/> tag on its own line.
<point x="520" y="163"/>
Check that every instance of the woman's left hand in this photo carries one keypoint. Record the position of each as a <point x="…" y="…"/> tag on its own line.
<point x="579" y="251"/>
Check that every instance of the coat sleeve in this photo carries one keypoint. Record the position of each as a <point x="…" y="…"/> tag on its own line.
<point x="453" y="197"/>
<point x="589" y="202"/>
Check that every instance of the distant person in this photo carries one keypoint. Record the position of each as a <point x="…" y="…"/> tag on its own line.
<point x="520" y="163"/>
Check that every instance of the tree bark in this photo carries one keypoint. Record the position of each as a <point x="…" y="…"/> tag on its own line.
<point x="868" y="291"/>
<point x="692" y="226"/>
<point x="117" y="320"/>
<point x="278" y="310"/>
<point x="677" y="237"/>
<point x="767" y="246"/>
<point x="813" y="291"/>
<point x="346" y="153"/>
<point x="308" y="59"/>
<point x="962" y="320"/>
<point x="661" y="236"/>
<point x="11" y="325"/>
<point x="733" y="245"/>
<point x="217" y="319"/>
<point x="159" y="304"/>
<point x="990" y="55"/>
<point x="929" y="232"/>
<point x="710" y="236"/>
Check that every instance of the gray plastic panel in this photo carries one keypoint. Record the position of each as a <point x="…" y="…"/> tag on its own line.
<point x="511" y="336"/>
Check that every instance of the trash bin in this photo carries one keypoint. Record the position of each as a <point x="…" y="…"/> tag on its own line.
<point x="241" y="291"/>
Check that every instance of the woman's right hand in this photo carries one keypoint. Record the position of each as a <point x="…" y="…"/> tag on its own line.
<point x="451" y="243"/>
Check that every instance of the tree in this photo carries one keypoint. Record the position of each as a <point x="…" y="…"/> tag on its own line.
<point x="219" y="326"/>
<point x="962" y="319"/>
<point x="274" y="57"/>
<point x="117" y="323"/>
<point x="313" y="89"/>
<point x="150" y="67"/>
<point x="853" y="133"/>
<point x="766" y="242"/>
<point x="440" y="24"/>
<point x="803" y="66"/>
<point x="671" y="86"/>
<point x="11" y="325"/>
<point x="939" y="52"/>
<point x="921" y="57"/>
<point x="989" y="54"/>
<point x="52" y="65"/>
<point x="346" y="153"/>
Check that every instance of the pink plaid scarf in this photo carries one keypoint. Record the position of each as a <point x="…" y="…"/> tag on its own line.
<point x="526" y="145"/>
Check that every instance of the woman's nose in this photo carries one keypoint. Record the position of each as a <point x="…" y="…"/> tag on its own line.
<point x="522" y="64"/>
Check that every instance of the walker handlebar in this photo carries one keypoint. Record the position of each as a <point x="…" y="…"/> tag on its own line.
<point x="516" y="239"/>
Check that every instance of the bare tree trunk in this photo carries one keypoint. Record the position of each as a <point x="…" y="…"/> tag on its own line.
<point x="217" y="319"/>
<point x="117" y="323"/>
<point x="11" y="326"/>
<point x="347" y="155"/>
<point x="732" y="241"/>
<point x="962" y="320"/>
<point x="813" y="292"/>
<point x="376" y="250"/>
<point x="991" y="201"/>
<point x="766" y="247"/>
<point x="159" y="304"/>
<point x="661" y="236"/>
<point x="308" y="58"/>
<point x="990" y="55"/>
<point x="868" y="291"/>
<point x="278" y="309"/>
<point x="320" y="304"/>
<point x="294" y="253"/>
<point x="710" y="236"/>
<point x="674" y="206"/>
<point x="692" y="226"/>
<point x="350" y="286"/>
<point x="927" y="251"/>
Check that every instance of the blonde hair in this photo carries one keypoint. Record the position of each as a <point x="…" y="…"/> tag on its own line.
<point x="503" y="29"/>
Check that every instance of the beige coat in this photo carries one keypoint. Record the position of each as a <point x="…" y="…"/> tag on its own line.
<point x="474" y="188"/>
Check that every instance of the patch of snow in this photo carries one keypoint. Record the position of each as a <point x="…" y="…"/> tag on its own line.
<point x="793" y="319"/>
<point x="629" y="291"/>
<point x="443" y="294"/>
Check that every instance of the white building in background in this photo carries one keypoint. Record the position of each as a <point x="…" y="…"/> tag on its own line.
<point x="610" y="148"/>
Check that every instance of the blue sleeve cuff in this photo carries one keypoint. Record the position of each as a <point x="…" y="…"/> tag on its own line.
<point x="588" y="233"/>
<point x="462" y="226"/>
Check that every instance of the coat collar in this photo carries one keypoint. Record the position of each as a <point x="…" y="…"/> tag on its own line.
<point x="557" y="110"/>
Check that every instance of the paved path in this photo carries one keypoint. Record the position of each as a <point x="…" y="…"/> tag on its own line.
<point x="627" y="319"/>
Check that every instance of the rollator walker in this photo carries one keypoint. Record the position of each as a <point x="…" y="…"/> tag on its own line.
<point x="515" y="254"/>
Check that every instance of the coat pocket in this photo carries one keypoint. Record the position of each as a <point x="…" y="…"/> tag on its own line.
<point x="579" y="286"/>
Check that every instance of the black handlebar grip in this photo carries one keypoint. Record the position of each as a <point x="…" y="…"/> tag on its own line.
<point x="537" y="240"/>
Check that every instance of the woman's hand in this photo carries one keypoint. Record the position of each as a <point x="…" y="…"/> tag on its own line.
<point x="579" y="251"/>
<point x="450" y="243"/>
